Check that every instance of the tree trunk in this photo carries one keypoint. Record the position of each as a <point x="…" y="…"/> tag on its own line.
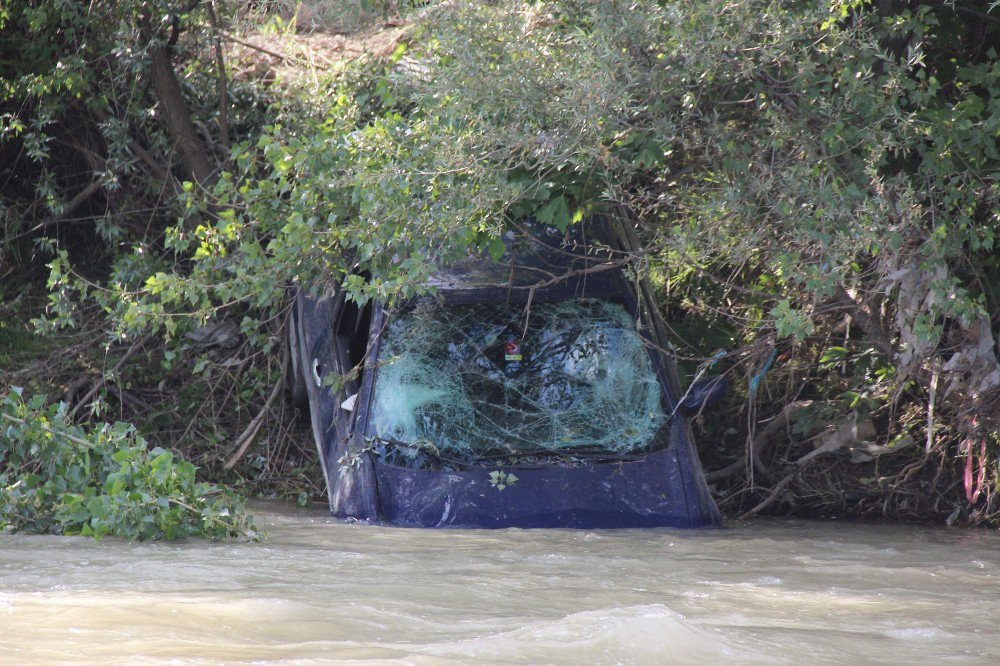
<point x="174" y="113"/>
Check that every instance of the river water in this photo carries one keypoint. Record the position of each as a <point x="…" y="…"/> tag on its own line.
<point x="318" y="590"/>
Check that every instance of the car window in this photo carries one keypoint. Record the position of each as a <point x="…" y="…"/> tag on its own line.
<point x="471" y="380"/>
<point x="352" y="328"/>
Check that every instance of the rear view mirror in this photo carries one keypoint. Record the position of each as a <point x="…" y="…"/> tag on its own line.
<point x="703" y="394"/>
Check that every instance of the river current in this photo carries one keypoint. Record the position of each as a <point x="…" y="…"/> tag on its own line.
<point x="318" y="590"/>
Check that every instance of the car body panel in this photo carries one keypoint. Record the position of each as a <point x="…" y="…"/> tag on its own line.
<point x="651" y="491"/>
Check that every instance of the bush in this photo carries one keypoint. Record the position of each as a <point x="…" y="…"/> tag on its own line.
<point x="58" y="478"/>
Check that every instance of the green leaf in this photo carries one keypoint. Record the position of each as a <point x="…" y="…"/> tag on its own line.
<point x="555" y="213"/>
<point x="496" y="248"/>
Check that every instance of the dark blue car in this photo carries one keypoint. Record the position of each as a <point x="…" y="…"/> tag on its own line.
<point x="525" y="392"/>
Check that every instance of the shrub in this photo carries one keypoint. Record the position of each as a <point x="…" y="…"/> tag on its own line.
<point x="59" y="478"/>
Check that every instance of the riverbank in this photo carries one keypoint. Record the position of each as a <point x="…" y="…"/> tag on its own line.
<point x="846" y="286"/>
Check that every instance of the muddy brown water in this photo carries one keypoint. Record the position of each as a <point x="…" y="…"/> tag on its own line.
<point x="319" y="591"/>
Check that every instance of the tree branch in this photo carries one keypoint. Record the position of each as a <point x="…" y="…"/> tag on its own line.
<point x="873" y="330"/>
<point x="139" y="344"/>
<point x="220" y="65"/>
<point x="760" y="441"/>
<point x="250" y="432"/>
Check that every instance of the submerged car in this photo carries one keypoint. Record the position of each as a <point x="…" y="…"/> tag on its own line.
<point x="526" y="392"/>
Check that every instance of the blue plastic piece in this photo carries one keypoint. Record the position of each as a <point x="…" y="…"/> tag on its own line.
<point x="704" y="394"/>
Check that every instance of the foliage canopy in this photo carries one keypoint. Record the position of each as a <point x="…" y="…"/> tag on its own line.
<point x="786" y="165"/>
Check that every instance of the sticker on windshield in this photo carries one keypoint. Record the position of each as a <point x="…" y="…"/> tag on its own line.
<point x="512" y="351"/>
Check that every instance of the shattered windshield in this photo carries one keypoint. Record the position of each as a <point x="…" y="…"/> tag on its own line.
<point x="473" y="381"/>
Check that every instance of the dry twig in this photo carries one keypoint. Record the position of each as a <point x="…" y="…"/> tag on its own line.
<point x="246" y="438"/>
<point x="100" y="383"/>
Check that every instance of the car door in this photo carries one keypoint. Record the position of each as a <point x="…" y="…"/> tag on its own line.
<point x="326" y="335"/>
<point x="317" y="360"/>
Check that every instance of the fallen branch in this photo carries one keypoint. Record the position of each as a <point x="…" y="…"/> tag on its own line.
<point x="773" y="495"/>
<point x="760" y="441"/>
<point x="246" y="438"/>
<point x="862" y="314"/>
<point x="49" y="429"/>
<point x="52" y="220"/>
<point x="830" y="441"/>
<point x="848" y="432"/>
<point x="257" y="47"/>
<point x="76" y="201"/>
<point x="100" y="383"/>
<point x="127" y="399"/>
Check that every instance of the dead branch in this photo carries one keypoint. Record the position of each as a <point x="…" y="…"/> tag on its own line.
<point x="835" y="439"/>
<point x="100" y="383"/>
<point x="773" y="495"/>
<point x="874" y="331"/>
<point x="246" y="438"/>
<point x="52" y="220"/>
<point x="127" y="399"/>
<point x="846" y="433"/>
<point x="760" y="441"/>
<point x="257" y="47"/>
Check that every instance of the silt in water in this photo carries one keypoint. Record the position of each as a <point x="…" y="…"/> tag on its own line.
<point x="318" y="590"/>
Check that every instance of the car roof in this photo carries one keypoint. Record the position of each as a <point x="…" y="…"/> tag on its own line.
<point x="538" y="259"/>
